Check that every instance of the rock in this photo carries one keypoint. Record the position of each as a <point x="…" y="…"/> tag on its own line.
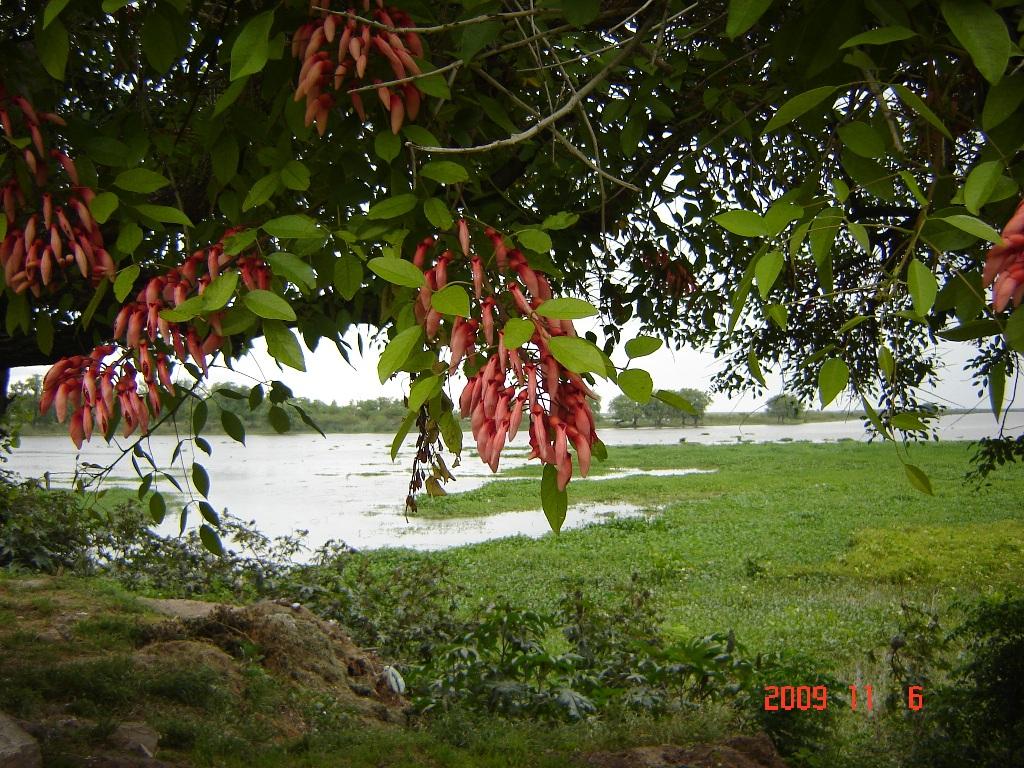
<point x="17" y="748"/>
<point x="739" y="752"/>
<point x="136" y="737"/>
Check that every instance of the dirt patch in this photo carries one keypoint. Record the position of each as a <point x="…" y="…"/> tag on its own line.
<point x="188" y="654"/>
<point x="740" y="752"/>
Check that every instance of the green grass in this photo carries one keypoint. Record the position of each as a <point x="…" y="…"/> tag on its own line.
<point x="785" y="544"/>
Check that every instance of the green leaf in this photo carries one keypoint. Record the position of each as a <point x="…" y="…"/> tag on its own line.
<point x="268" y="305"/>
<point x="561" y="220"/>
<point x="141" y="180"/>
<point x="417" y="134"/>
<point x="164" y="37"/>
<point x="880" y="36"/>
<point x="348" y="275"/>
<point x="798" y="105"/>
<point x="918" y="479"/>
<point x="554" y="502"/>
<point x="282" y="345"/>
<point x="230" y="95"/>
<point x="975" y="329"/>
<point x="743" y="14"/>
<point x="451" y="432"/>
<point x="444" y="171"/>
<point x="862" y="139"/>
<point x="184" y="311"/>
<point x="436" y="86"/>
<point x="1003" y="100"/>
<point x="823" y="235"/>
<point x="52" y="48"/>
<point x="755" y="368"/>
<point x="403" y="430"/>
<point x="44" y="333"/>
<point x="165" y="214"/>
<point x="251" y="48"/>
<point x="743" y="223"/>
<point x="908" y="422"/>
<point x="238" y="242"/>
<point x="295" y="176"/>
<point x="636" y="384"/>
<point x="291" y="267"/>
<point x="157" y="508"/>
<point x="981" y="183"/>
<point x="517" y="332"/>
<point x="225" y="158"/>
<point x="981" y="30"/>
<point x="278" y="418"/>
<point x="923" y="287"/>
<point x="972" y="226"/>
<point x="917" y="104"/>
<point x="767" y="270"/>
<point x="200" y="479"/>
<point x="423" y="390"/>
<point x="642" y="346"/>
<point x="566" y="309"/>
<point x="397" y="351"/>
<point x="437" y="213"/>
<point x="675" y="400"/>
<point x="103" y="206"/>
<point x="387" y="145"/>
<point x="535" y="239"/>
<point x="397" y="271"/>
<point x="261" y="191"/>
<point x="451" y="300"/>
<point x="125" y="280"/>
<point x="211" y="541"/>
<point x="233" y="426"/>
<point x="52" y="11"/>
<point x="293" y="227"/>
<point x="392" y="207"/>
<point x="778" y="314"/>
<point x="886" y="362"/>
<point x="832" y="379"/>
<point x="476" y="37"/>
<point x="200" y="411"/>
<point x="860" y="234"/>
<point x="997" y="387"/>
<point x="1014" y="333"/>
<point x="577" y="354"/>
<point x="779" y="215"/>
<point x="219" y="292"/>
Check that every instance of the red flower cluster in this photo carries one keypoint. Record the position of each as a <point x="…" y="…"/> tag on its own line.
<point x="336" y="52"/>
<point x="513" y="382"/>
<point x="46" y="237"/>
<point x="146" y="341"/>
<point x="671" y="275"/>
<point x="1004" y="264"/>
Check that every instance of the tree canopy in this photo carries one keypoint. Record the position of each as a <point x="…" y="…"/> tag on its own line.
<point x="810" y="188"/>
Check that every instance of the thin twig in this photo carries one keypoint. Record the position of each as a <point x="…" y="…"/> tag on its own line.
<point x="559" y="113"/>
<point x="439" y="27"/>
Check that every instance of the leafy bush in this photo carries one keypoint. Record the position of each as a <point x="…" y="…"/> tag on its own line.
<point x="974" y="717"/>
<point x="45" y="531"/>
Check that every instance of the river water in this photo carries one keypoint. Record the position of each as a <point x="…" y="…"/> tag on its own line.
<point x="346" y="487"/>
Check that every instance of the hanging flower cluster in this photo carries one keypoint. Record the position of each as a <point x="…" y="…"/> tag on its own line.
<point x="672" y="276"/>
<point x="1004" y="264"/>
<point x="338" y="50"/>
<point x="515" y="381"/>
<point x="89" y="385"/>
<point x="50" y="232"/>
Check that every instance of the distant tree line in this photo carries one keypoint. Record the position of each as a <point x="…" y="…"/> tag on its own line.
<point x="382" y="414"/>
<point x="626" y="412"/>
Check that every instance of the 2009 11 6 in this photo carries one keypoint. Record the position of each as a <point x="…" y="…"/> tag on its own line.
<point x="806" y="697"/>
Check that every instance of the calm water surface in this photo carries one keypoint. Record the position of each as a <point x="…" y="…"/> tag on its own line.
<point x="346" y="487"/>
